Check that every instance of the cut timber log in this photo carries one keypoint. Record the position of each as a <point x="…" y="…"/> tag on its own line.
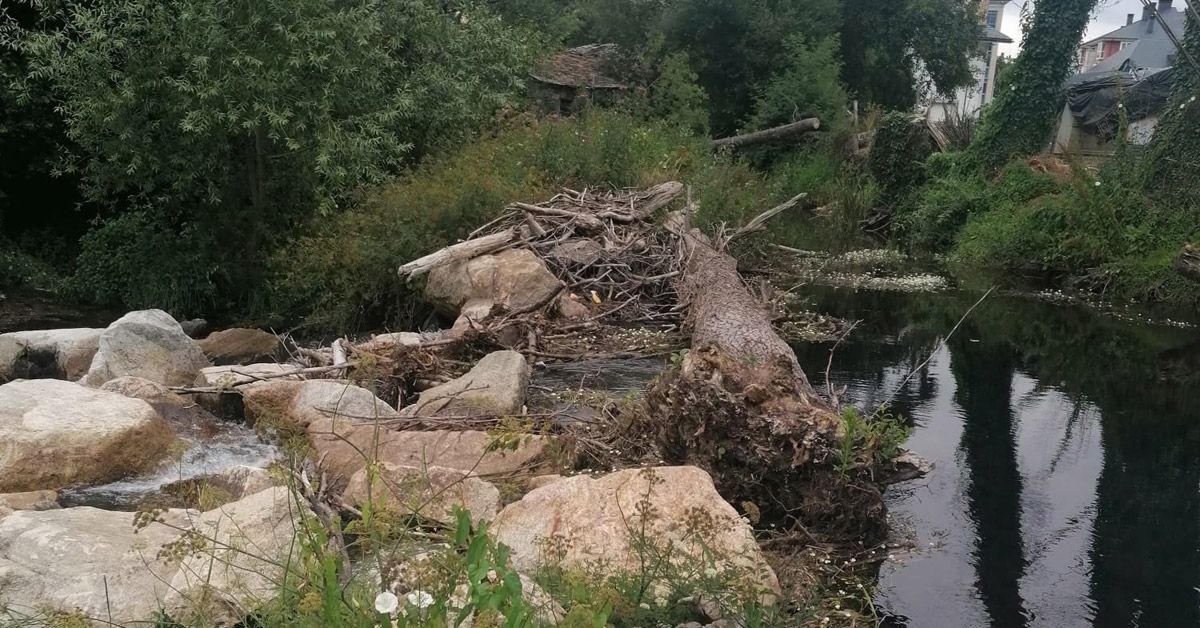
<point x="728" y="320"/>
<point x="457" y="252"/>
<point x="1187" y="263"/>
<point x="784" y="132"/>
<point x="740" y="406"/>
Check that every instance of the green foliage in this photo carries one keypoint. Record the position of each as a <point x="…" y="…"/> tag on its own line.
<point x="339" y="272"/>
<point x="897" y="160"/>
<point x="734" y="46"/>
<point x="1021" y="119"/>
<point x="1102" y="234"/>
<point x="230" y="122"/>
<point x="139" y="260"/>
<point x="930" y="221"/>
<point x="883" y="41"/>
<point x="808" y="83"/>
<point x="1173" y="161"/>
<point x="610" y="148"/>
<point x="676" y="98"/>
<point x="19" y="269"/>
<point x="870" y="441"/>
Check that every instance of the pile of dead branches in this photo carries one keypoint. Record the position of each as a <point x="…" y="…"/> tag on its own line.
<point x="601" y="244"/>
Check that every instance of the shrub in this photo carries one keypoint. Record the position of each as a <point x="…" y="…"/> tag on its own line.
<point x="19" y="269"/>
<point x="897" y="160"/>
<point x="677" y="98"/>
<point x="932" y="219"/>
<point x="139" y="261"/>
<point x="1103" y="234"/>
<point x="808" y="84"/>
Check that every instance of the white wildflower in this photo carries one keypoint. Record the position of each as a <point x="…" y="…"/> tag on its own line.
<point x="644" y="606"/>
<point x="711" y="572"/>
<point x="419" y="599"/>
<point x="386" y="602"/>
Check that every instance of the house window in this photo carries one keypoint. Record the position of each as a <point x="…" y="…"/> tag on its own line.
<point x="1125" y="44"/>
<point x="992" y="17"/>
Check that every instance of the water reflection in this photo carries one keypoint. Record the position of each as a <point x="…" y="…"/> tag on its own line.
<point x="1067" y="445"/>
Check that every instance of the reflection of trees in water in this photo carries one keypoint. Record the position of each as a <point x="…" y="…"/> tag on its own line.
<point x="1145" y="551"/>
<point x="983" y="376"/>
<point x="1145" y="554"/>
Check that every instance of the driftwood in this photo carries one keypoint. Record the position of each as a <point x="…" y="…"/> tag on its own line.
<point x="787" y="131"/>
<point x="457" y="252"/>
<point x="1187" y="262"/>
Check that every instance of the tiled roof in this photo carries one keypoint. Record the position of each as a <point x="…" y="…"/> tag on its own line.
<point x="580" y="67"/>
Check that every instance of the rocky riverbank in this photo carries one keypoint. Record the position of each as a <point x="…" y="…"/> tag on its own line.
<point x="413" y="474"/>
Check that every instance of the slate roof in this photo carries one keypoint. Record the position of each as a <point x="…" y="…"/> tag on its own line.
<point x="993" y="35"/>
<point x="1150" y="49"/>
<point x="580" y="67"/>
<point x="1138" y="30"/>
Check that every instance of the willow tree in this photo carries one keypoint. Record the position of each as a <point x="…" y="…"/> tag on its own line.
<point x="1021" y="119"/>
<point x="208" y="128"/>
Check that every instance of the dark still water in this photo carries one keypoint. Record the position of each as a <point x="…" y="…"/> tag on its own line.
<point x="1066" y="490"/>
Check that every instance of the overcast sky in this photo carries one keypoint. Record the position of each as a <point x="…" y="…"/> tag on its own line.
<point x="1108" y="17"/>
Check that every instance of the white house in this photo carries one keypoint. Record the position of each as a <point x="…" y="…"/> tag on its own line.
<point x="966" y="102"/>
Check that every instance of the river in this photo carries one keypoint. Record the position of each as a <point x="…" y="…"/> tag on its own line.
<point x="1066" y="490"/>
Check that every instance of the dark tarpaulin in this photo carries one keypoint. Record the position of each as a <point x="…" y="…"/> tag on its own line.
<point x="1094" y="101"/>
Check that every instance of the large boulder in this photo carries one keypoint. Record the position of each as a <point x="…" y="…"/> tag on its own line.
<point x="585" y="522"/>
<point x="241" y="562"/>
<point x="53" y="353"/>
<point x="241" y="346"/>
<point x="343" y="447"/>
<point x="147" y="344"/>
<point x="54" y="433"/>
<point x="299" y="403"/>
<point x="517" y="280"/>
<point x="429" y="492"/>
<point x="496" y="385"/>
<point x="84" y="560"/>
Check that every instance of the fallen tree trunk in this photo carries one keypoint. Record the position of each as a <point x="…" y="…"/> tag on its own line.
<point x="784" y="132"/>
<point x="740" y="406"/>
<point x="457" y="252"/>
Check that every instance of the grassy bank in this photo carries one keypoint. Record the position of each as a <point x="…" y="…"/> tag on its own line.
<point x="338" y="272"/>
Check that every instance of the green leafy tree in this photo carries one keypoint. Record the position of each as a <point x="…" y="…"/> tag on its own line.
<point x="735" y="45"/>
<point x="234" y="119"/>
<point x="807" y="84"/>
<point x="676" y="97"/>
<point x="884" y="42"/>
<point x="1021" y="118"/>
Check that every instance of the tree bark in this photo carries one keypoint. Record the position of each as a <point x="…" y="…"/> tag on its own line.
<point x="729" y="322"/>
<point x="784" y="132"/>
<point x="740" y="406"/>
<point x="456" y="252"/>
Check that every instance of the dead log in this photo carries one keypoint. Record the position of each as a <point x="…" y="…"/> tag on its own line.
<point x="1187" y="262"/>
<point x="787" y="131"/>
<point x="457" y="252"/>
<point x="740" y="406"/>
